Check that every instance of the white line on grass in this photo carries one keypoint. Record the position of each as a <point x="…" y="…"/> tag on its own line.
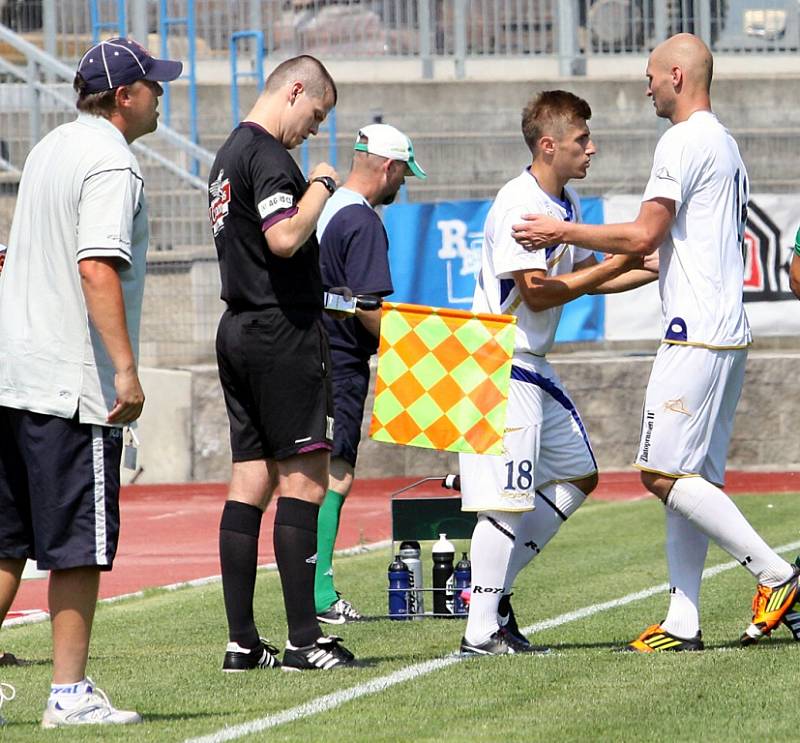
<point x="42" y="616"/>
<point x="331" y="701"/>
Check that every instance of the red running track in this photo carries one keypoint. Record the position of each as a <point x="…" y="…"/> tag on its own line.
<point x="169" y="532"/>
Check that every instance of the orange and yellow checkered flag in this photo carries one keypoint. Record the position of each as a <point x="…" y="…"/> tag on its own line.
<point x="443" y="378"/>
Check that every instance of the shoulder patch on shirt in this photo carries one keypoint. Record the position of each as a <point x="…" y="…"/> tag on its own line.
<point x="220" y="191"/>
<point x="663" y="174"/>
<point x="275" y="203"/>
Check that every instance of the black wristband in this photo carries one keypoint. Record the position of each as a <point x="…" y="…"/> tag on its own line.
<point x="326" y="181"/>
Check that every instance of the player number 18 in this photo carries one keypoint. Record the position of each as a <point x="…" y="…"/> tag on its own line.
<point x="524" y="475"/>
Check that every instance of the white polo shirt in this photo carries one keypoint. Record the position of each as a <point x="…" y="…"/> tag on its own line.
<point x="80" y="196"/>
<point x="698" y="166"/>
<point x="495" y="290"/>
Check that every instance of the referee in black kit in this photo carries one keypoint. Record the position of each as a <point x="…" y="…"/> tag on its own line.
<point x="274" y="360"/>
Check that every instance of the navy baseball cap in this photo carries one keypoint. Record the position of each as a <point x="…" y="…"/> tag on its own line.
<point x="121" y="61"/>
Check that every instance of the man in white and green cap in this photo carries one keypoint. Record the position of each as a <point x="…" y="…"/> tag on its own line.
<point x="354" y="254"/>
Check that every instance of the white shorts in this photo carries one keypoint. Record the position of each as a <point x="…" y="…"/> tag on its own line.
<point x="687" y="419"/>
<point x="545" y="441"/>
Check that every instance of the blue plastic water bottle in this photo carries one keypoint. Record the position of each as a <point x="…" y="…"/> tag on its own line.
<point x="462" y="578"/>
<point x="399" y="589"/>
<point x="410" y="555"/>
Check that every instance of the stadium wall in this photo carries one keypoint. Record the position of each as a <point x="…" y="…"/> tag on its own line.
<point x="184" y="431"/>
<point x="467" y="133"/>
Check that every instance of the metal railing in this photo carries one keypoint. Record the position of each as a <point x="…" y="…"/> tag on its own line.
<point x="426" y="29"/>
<point x="182" y="295"/>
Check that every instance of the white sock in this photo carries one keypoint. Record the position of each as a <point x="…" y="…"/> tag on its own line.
<point x="67" y="695"/>
<point x="492" y="543"/>
<point x="716" y="515"/>
<point x="686" y="555"/>
<point x="539" y="526"/>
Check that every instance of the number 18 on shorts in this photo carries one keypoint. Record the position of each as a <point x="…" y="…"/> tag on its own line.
<point x="505" y="482"/>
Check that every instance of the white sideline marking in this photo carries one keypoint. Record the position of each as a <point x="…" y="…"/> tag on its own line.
<point x="41" y="616"/>
<point x="331" y="701"/>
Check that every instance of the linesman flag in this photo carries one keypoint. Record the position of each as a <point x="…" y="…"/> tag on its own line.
<point x="443" y="378"/>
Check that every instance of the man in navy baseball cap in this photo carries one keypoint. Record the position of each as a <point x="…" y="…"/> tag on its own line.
<point x="119" y="80"/>
<point x="122" y="61"/>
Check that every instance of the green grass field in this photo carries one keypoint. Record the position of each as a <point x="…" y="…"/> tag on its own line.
<point x="161" y="655"/>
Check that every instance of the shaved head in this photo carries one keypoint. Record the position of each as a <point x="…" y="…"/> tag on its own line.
<point x="679" y="73"/>
<point x="689" y="53"/>
<point x="307" y="70"/>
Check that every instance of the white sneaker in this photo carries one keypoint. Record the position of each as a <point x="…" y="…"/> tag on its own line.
<point x="93" y="708"/>
<point x="7" y="693"/>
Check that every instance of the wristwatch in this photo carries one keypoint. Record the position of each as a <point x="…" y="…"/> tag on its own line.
<point x="326" y="181"/>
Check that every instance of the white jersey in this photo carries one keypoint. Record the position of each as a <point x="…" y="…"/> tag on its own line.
<point x="495" y="290"/>
<point x="81" y="196"/>
<point x="698" y="166"/>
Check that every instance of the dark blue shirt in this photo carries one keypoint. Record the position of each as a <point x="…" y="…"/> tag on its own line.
<point x="354" y="252"/>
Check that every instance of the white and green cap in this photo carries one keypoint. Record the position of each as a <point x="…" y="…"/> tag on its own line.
<point x="386" y="141"/>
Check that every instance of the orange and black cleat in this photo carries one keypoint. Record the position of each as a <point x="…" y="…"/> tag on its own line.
<point x="770" y="606"/>
<point x="655" y="639"/>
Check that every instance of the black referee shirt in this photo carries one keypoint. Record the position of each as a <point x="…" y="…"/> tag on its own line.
<point x="253" y="184"/>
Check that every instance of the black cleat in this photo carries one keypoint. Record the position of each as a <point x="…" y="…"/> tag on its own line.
<point x="238" y="658"/>
<point x="526" y="646"/>
<point x="508" y="622"/>
<point x="500" y="643"/>
<point x="339" y="612"/>
<point x="326" y="653"/>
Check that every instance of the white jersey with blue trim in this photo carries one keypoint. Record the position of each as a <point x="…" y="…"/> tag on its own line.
<point x="495" y="290"/>
<point x="701" y="275"/>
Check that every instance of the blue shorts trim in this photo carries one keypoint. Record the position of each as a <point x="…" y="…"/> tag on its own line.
<point x="552" y="389"/>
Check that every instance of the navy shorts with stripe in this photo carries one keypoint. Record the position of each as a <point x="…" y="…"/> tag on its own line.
<point x="59" y="490"/>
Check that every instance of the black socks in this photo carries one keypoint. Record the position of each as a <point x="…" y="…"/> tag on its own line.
<point x="295" y="541"/>
<point x="238" y="556"/>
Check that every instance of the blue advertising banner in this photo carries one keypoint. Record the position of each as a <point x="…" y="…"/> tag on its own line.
<point x="435" y="252"/>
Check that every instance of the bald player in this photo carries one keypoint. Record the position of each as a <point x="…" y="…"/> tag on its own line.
<point x="694" y="207"/>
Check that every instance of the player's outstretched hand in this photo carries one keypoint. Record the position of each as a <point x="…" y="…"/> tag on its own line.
<point x="324" y="169"/>
<point x="130" y="398"/>
<point x="538" y="231"/>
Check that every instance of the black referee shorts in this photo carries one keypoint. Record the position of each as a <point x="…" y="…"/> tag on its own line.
<point x="349" y="396"/>
<point x="274" y="367"/>
<point x="59" y="490"/>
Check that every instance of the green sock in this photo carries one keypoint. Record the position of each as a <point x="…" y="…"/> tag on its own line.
<point x="327" y="527"/>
